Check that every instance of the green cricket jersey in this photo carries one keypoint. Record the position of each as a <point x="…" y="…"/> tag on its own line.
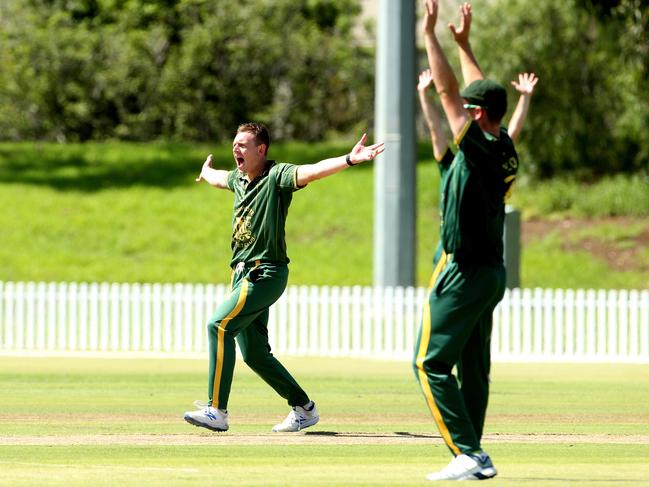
<point x="443" y="165"/>
<point x="259" y="213"/>
<point x="473" y="199"/>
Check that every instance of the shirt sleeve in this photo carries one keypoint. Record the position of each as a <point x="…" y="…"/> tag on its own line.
<point x="286" y="176"/>
<point x="446" y="159"/>
<point x="474" y="144"/>
<point x="232" y="177"/>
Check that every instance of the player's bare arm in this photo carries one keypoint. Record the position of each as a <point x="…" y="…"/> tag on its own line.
<point x="445" y="81"/>
<point x="215" y="177"/>
<point x="470" y="68"/>
<point x="438" y="137"/>
<point x="360" y="153"/>
<point x="525" y="86"/>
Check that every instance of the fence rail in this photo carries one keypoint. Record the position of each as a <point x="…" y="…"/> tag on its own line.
<point x="529" y="324"/>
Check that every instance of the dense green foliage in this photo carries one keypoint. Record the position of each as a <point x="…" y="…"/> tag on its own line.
<point x="187" y="69"/>
<point x="127" y="212"/>
<point x="589" y="112"/>
<point x="193" y="69"/>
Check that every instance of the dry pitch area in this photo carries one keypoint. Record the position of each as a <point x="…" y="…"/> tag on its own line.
<point x="311" y="438"/>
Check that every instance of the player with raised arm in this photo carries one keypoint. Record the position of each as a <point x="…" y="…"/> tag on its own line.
<point x="439" y="141"/>
<point x="263" y="190"/>
<point x="525" y="86"/>
<point x="469" y="278"/>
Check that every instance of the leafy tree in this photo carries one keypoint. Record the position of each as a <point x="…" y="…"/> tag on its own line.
<point x="588" y="108"/>
<point x="188" y="69"/>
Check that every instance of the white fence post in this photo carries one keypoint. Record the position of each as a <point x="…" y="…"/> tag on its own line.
<point x="335" y="316"/>
<point x="346" y="320"/>
<point x="312" y="325"/>
<point x="611" y="324"/>
<point x="324" y="340"/>
<point x="623" y="324"/>
<point x="30" y="318"/>
<point x="292" y="328"/>
<point x="303" y="323"/>
<point x="580" y="323"/>
<point x="644" y="323"/>
<point x="355" y="345"/>
<point x="601" y="323"/>
<point x="548" y="328"/>
<point x="516" y="312"/>
<point x="9" y="317"/>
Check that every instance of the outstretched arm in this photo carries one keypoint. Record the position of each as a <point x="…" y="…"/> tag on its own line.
<point x="360" y="153"/>
<point x="443" y="77"/>
<point x="525" y="86"/>
<point x="437" y="135"/>
<point x="470" y="69"/>
<point x="216" y="177"/>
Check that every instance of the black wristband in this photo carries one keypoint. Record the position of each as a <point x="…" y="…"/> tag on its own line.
<point x="348" y="160"/>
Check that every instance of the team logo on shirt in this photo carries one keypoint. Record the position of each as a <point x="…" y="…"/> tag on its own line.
<point x="242" y="237"/>
<point x="511" y="164"/>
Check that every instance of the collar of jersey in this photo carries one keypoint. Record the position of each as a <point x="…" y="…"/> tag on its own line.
<point x="269" y="164"/>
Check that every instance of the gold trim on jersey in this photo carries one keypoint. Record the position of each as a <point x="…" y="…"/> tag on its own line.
<point x="463" y="132"/>
<point x="295" y="184"/>
<point x="510" y="181"/>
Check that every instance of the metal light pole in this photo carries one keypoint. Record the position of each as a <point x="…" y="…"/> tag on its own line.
<point x="394" y="179"/>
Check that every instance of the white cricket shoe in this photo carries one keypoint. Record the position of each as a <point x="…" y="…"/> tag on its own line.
<point x="298" y="419"/>
<point x="207" y="417"/>
<point x="470" y="466"/>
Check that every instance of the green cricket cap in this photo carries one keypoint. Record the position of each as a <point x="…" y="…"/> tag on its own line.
<point x="489" y="95"/>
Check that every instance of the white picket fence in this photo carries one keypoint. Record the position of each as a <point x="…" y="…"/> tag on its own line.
<point x="529" y="324"/>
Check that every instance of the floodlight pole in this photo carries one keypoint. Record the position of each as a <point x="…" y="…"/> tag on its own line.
<point x="394" y="176"/>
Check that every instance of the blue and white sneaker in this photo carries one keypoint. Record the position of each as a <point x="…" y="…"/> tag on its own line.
<point x="487" y="469"/>
<point x="207" y="417"/>
<point x="468" y="466"/>
<point x="298" y="419"/>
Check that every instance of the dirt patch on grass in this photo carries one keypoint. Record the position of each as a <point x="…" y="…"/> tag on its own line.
<point x="306" y="438"/>
<point x="620" y="256"/>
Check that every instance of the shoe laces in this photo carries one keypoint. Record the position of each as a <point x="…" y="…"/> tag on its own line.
<point x="200" y="404"/>
<point x="293" y="417"/>
<point x="207" y="408"/>
<point x="481" y="457"/>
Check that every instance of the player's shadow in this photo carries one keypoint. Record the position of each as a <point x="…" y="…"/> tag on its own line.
<point x="97" y="167"/>
<point x="347" y="434"/>
<point x="573" y="481"/>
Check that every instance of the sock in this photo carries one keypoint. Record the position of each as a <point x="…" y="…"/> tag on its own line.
<point x="308" y="406"/>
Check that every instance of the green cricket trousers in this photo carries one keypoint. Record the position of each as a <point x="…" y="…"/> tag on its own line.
<point x="456" y="331"/>
<point x="244" y="315"/>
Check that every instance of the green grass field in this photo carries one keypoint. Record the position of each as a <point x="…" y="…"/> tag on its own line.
<point x="121" y="212"/>
<point x="101" y="422"/>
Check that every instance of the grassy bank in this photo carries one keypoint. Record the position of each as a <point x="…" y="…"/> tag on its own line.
<point x="132" y="213"/>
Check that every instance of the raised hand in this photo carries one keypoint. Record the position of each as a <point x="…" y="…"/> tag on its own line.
<point x="206" y="164"/>
<point x="425" y="80"/>
<point x="431" y="8"/>
<point x="461" y="33"/>
<point x="526" y="83"/>
<point x="361" y="153"/>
